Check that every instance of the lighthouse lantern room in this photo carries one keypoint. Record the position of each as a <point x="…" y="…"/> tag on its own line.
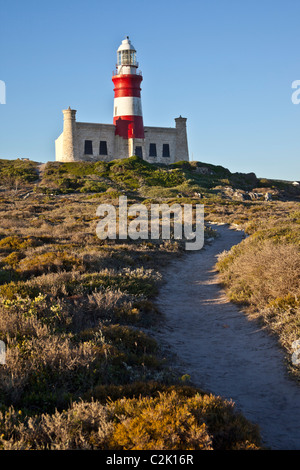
<point x="126" y="57"/>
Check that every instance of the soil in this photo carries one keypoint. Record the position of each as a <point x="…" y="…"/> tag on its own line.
<point x="222" y="350"/>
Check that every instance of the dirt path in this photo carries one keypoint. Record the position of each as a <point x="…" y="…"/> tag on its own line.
<point x="40" y="170"/>
<point x="224" y="352"/>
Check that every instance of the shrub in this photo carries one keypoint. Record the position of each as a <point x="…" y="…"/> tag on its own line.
<point x="83" y="426"/>
<point x="164" y="178"/>
<point x="45" y="369"/>
<point x="12" y="290"/>
<point x="159" y="424"/>
<point x="259" y="272"/>
<point x="130" y="339"/>
<point x="50" y="261"/>
<point x="13" y="259"/>
<point x="137" y="282"/>
<point x="14" y="243"/>
<point x="16" y="172"/>
<point x="169" y="421"/>
<point x="93" y="187"/>
<point x="7" y="276"/>
<point x="66" y="184"/>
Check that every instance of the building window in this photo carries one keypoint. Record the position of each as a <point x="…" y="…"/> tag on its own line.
<point x="139" y="152"/>
<point x="88" y="147"/>
<point x="103" y="147"/>
<point x="166" y="150"/>
<point x="152" y="150"/>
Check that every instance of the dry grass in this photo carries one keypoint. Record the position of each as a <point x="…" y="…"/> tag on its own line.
<point x="263" y="271"/>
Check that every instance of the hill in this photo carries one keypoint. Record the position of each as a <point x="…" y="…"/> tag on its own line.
<point x="147" y="179"/>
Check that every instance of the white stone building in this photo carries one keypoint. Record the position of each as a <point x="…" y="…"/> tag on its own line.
<point x="127" y="135"/>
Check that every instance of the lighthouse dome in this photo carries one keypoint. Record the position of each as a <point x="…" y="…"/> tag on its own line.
<point x="126" y="45"/>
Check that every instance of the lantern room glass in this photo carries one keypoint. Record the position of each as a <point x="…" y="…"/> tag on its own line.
<point x="127" y="57"/>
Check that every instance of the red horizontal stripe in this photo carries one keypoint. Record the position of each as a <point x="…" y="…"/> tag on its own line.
<point x="120" y="93"/>
<point x="129" y="127"/>
<point x="127" y="85"/>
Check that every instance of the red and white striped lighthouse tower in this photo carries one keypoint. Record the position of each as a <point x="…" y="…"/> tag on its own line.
<point x="128" y="116"/>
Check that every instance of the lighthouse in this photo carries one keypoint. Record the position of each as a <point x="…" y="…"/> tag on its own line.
<point x="126" y="135"/>
<point x="128" y="116"/>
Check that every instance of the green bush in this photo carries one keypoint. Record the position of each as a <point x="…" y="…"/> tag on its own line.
<point x="16" y="172"/>
<point x="93" y="187"/>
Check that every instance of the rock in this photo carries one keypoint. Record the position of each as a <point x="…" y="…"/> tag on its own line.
<point x="239" y="195"/>
<point x="203" y="170"/>
<point x="268" y="197"/>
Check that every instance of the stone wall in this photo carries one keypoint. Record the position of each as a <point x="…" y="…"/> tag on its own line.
<point x="160" y="136"/>
<point x="95" y="133"/>
<point x="70" y="145"/>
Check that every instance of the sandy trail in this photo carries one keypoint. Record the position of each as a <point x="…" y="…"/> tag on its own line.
<point x="224" y="352"/>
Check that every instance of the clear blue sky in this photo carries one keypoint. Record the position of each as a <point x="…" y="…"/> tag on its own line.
<point x="226" y="65"/>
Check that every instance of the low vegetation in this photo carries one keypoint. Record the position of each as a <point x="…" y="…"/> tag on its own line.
<point x="82" y="369"/>
<point x="180" y="419"/>
<point x="262" y="273"/>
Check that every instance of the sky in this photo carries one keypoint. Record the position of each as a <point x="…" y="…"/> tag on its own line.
<point x="226" y="65"/>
